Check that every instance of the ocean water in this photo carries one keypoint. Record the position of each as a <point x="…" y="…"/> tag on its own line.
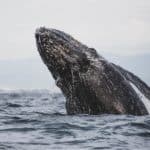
<point x="37" y="120"/>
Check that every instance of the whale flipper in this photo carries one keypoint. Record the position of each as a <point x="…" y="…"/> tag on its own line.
<point x="142" y="86"/>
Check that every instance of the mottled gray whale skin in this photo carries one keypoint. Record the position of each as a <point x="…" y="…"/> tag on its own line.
<point x="90" y="83"/>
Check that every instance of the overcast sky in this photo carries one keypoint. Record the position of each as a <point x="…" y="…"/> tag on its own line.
<point x="121" y="27"/>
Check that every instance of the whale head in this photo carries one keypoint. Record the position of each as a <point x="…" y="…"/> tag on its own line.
<point x="61" y="53"/>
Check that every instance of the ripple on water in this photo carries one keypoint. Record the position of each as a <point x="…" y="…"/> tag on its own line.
<point x="37" y="120"/>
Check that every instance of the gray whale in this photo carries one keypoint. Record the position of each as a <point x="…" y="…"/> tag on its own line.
<point x="90" y="83"/>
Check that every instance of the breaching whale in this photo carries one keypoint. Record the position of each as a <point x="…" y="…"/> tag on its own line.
<point x="90" y="83"/>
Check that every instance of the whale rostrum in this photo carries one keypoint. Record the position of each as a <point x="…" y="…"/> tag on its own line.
<point x="90" y="83"/>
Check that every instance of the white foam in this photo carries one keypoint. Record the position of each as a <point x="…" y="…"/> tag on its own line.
<point x="145" y="100"/>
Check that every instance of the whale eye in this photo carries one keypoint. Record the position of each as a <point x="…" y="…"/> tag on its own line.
<point x="58" y="80"/>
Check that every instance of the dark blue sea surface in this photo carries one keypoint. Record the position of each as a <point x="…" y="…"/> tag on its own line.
<point x="37" y="120"/>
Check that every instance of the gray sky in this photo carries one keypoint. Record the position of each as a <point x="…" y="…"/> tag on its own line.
<point x="120" y="27"/>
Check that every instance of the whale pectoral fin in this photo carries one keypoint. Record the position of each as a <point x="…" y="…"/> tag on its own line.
<point x="142" y="86"/>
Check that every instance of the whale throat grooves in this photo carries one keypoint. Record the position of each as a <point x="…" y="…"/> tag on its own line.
<point x="91" y="84"/>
